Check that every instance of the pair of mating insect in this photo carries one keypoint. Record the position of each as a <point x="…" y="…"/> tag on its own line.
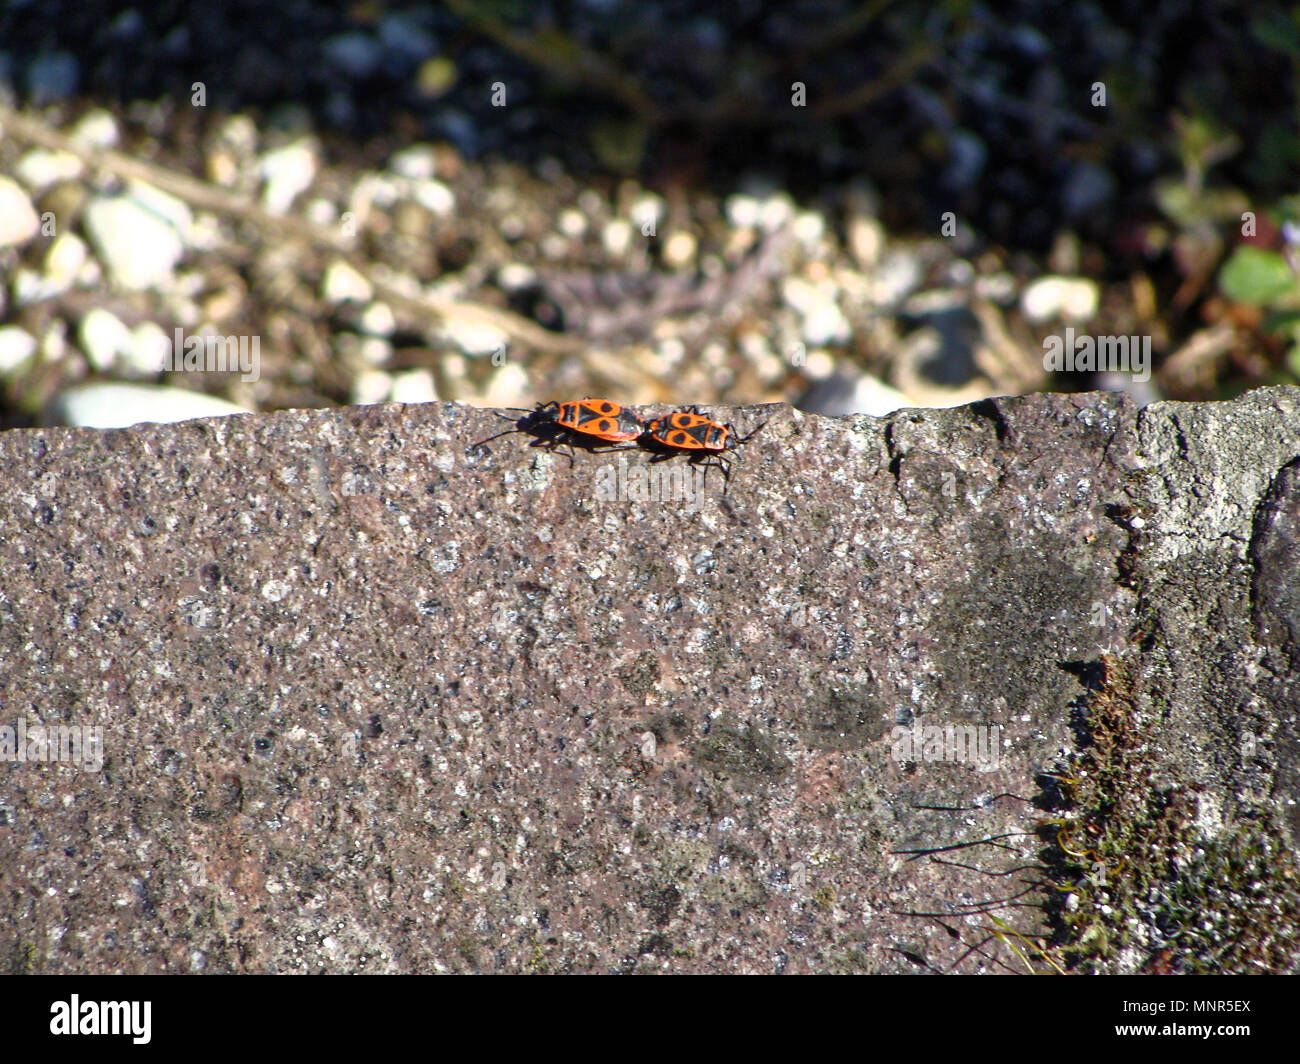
<point x="595" y="423"/>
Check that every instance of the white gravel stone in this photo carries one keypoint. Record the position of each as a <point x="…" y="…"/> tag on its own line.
<point x="54" y="341"/>
<point x="416" y="162"/>
<point x="30" y="286"/>
<point x="414" y="386"/>
<point x="373" y="190"/>
<point x="374" y="350"/>
<point x="866" y="240"/>
<point x="322" y="212"/>
<point x="775" y="211"/>
<point x="571" y="223"/>
<point x="898" y="274"/>
<point x="999" y="287"/>
<point x="378" y="320"/>
<point x="617" y="237"/>
<point x="648" y="208"/>
<point x="138" y="246"/>
<point x="97" y="128"/>
<point x="147" y="351"/>
<point x="434" y="196"/>
<point x="288" y="172"/>
<point x="64" y="261"/>
<point x="174" y="211"/>
<point x="474" y="338"/>
<point x="516" y="276"/>
<point x="679" y="250"/>
<point x="103" y="337"/>
<point x="371" y="386"/>
<point x="823" y="321"/>
<point x="1072" y="298"/>
<point x="18" y="220"/>
<point x="507" y="386"/>
<point x="342" y="283"/>
<point x="742" y="211"/>
<point x="819" y="365"/>
<point x="799" y="293"/>
<point x="17" y="345"/>
<point x="809" y="227"/>
<point x="40" y="168"/>
<point x="110" y="405"/>
<point x="554" y="247"/>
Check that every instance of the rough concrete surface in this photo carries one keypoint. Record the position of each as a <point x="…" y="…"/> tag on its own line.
<point x="374" y="700"/>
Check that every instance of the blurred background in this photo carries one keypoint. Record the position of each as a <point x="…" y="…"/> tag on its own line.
<point x="852" y="207"/>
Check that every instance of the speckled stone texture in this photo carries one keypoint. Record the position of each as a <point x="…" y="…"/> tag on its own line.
<point x="375" y="702"/>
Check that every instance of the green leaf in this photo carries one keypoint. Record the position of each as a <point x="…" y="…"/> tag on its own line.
<point x="1256" y="275"/>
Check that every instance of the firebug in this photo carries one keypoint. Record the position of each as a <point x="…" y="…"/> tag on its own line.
<point x="589" y="423"/>
<point x="694" y="433"/>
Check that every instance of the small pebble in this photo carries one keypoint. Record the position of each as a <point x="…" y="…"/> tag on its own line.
<point x="866" y="241"/>
<point x="776" y="210"/>
<point x="742" y="212"/>
<point x="175" y="212"/>
<point x="322" y="212"/>
<point x="288" y="172"/>
<point x="109" y="405"/>
<point x="572" y="223"/>
<point x="898" y="274"/>
<point x="433" y="196"/>
<point x="138" y="248"/>
<point x="414" y="386"/>
<point x="18" y="220"/>
<point x="1071" y="298"/>
<point x="147" y="352"/>
<point x="17" y="345"/>
<point x="54" y="341"/>
<point x="342" y="283"/>
<point x="809" y="227"/>
<point x="97" y="129"/>
<point x="40" y="168"/>
<point x="416" y="162"/>
<point x="616" y="237"/>
<point x="679" y="250"/>
<point x="823" y="321"/>
<point x="64" y="261"/>
<point x="102" y="336"/>
<point x="371" y="386"/>
<point x="476" y="339"/>
<point x="648" y="209"/>
<point x="31" y="286"/>
<point x="508" y="386"/>
<point x="378" y="320"/>
<point x="516" y="276"/>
